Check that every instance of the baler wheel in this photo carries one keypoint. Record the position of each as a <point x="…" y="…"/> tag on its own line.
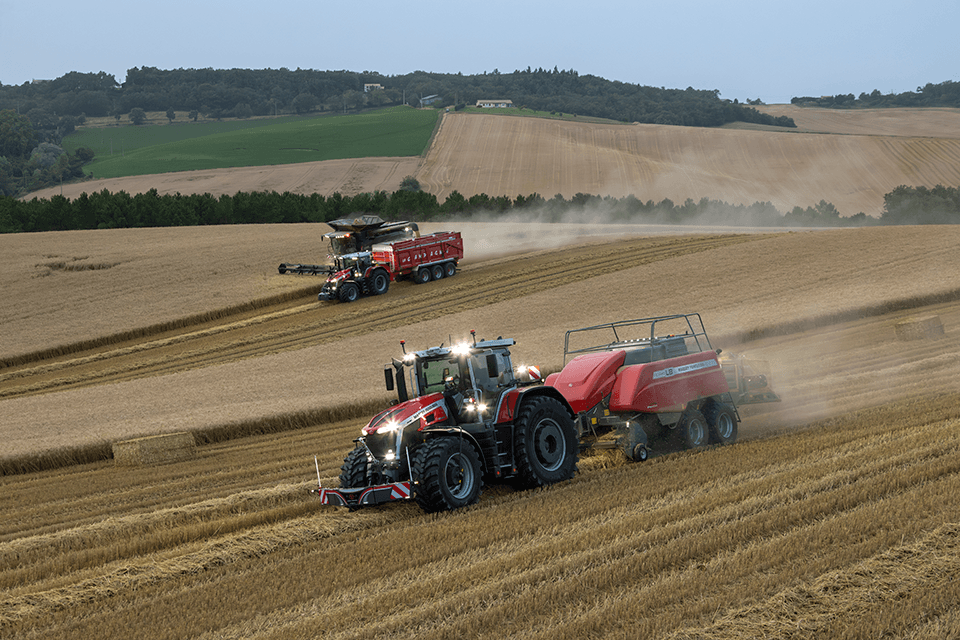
<point x="349" y="292"/>
<point x="693" y="430"/>
<point x="545" y="443"/>
<point x="723" y="424"/>
<point x="423" y="275"/>
<point x="447" y="473"/>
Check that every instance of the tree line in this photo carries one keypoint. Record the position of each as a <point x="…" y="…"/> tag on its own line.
<point x="55" y="105"/>
<point x="106" y="210"/>
<point x="945" y="94"/>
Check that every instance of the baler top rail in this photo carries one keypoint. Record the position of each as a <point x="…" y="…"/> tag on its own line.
<point x="628" y="334"/>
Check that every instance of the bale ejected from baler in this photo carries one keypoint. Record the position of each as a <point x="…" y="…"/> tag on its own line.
<point x="368" y="254"/>
<point x="465" y="414"/>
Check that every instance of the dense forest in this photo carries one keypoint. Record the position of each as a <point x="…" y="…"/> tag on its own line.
<point x="105" y="210"/>
<point x="945" y="94"/>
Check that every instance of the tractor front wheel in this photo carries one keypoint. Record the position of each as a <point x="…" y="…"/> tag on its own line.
<point x="447" y="474"/>
<point x="349" y="292"/>
<point x="545" y="443"/>
<point x="353" y="471"/>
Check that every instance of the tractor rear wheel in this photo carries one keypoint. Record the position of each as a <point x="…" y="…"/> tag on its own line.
<point x="447" y="473"/>
<point x="423" y="275"/>
<point x="723" y="423"/>
<point x="349" y="292"/>
<point x="353" y="471"/>
<point x="379" y="282"/>
<point x="693" y="430"/>
<point x="545" y="443"/>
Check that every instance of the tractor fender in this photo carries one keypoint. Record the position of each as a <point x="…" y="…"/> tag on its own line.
<point x="455" y="431"/>
<point x="372" y="269"/>
<point x="512" y="401"/>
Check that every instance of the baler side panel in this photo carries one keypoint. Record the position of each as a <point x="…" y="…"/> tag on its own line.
<point x="668" y="385"/>
<point x="587" y="379"/>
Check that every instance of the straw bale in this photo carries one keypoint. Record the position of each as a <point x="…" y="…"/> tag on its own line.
<point x="168" y="447"/>
<point x="919" y="328"/>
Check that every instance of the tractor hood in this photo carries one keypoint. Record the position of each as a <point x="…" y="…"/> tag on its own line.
<point x="425" y="411"/>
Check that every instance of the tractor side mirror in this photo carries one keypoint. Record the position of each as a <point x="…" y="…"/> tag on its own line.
<point x="388" y="377"/>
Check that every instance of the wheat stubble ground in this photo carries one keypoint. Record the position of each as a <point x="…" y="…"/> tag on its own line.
<point x="843" y="525"/>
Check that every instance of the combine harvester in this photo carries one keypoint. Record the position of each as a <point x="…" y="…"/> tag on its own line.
<point x="368" y="254"/>
<point x="464" y="414"/>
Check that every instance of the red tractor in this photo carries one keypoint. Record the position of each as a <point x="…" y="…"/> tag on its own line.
<point x="464" y="414"/>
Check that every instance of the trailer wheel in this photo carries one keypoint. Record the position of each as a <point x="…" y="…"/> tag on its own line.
<point x="449" y="269"/>
<point x="693" y="430"/>
<point x="349" y="292"/>
<point x="545" y="443"/>
<point x="423" y="275"/>
<point x="447" y="474"/>
<point x="436" y="271"/>
<point x="723" y="423"/>
<point x="379" y="283"/>
<point x="353" y="471"/>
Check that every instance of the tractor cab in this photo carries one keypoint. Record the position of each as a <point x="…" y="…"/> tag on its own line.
<point x="471" y="377"/>
<point x="358" y="262"/>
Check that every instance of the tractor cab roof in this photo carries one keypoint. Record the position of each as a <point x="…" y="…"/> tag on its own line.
<point x="464" y="349"/>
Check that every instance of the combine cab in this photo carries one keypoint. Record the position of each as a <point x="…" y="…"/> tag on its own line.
<point x="353" y="235"/>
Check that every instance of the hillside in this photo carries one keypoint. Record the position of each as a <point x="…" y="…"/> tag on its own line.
<point x="835" y="516"/>
<point x="848" y="158"/>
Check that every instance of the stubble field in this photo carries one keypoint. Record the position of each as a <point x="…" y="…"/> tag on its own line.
<point x="850" y="158"/>
<point x="835" y="516"/>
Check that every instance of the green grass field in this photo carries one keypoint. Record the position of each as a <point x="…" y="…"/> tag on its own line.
<point x="141" y="150"/>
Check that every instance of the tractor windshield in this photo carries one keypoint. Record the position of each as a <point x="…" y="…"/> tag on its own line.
<point x="350" y="260"/>
<point x="435" y="375"/>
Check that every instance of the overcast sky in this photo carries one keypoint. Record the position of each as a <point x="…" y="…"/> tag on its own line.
<point x="768" y="50"/>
